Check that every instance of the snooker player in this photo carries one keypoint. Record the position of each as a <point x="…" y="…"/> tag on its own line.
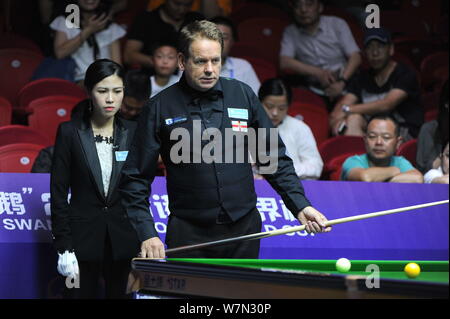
<point x="207" y="201"/>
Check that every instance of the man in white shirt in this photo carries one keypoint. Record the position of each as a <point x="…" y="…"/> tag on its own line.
<point x="321" y="49"/>
<point x="301" y="146"/>
<point x="235" y="68"/>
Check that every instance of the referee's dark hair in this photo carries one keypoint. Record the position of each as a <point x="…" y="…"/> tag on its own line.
<point x="385" y="117"/>
<point x="137" y="85"/>
<point x="277" y="87"/>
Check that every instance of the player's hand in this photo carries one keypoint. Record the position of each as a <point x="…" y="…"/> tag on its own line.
<point x="152" y="248"/>
<point x="313" y="220"/>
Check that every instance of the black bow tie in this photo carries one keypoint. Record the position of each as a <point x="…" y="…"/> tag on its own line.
<point x="212" y="95"/>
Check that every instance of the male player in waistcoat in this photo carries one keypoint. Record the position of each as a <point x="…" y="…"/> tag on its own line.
<point x="210" y="196"/>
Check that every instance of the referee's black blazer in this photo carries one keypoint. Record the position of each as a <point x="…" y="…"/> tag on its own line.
<point x="83" y="223"/>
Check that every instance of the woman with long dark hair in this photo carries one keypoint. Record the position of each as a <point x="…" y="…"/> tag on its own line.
<point x="91" y="232"/>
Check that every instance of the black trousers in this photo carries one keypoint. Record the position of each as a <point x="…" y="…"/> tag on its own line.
<point x="113" y="272"/>
<point x="181" y="232"/>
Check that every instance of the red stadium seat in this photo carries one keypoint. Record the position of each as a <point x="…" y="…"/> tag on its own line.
<point x="316" y="118"/>
<point x="18" y="158"/>
<point x="17" y="67"/>
<point x="337" y="146"/>
<point x="394" y="21"/>
<point x="15" y="41"/>
<point x="264" y="69"/>
<point x="307" y="96"/>
<point x="127" y="16"/>
<point x="246" y="49"/>
<point x="11" y="134"/>
<point x="429" y="11"/>
<point x="431" y="115"/>
<point x="48" y="87"/>
<point x="415" y="49"/>
<point x="409" y="151"/>
<point x="265" y="34"/>
<point x="335" y="165"/>
<point x="48" y="112"/>
<point x="432" y="70"/>
<point x="5" y="112"/>
<point x="256" y="10"/>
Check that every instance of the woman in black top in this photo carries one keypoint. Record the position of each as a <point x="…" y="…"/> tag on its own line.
<point x="91" y="232"/>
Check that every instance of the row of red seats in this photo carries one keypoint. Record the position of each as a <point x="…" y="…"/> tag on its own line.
<point x="19" y="146"/>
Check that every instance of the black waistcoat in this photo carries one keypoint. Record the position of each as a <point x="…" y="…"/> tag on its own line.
<point x="198" y="191"/>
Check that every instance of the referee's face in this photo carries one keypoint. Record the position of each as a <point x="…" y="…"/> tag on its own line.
<point x="202" y="67"/>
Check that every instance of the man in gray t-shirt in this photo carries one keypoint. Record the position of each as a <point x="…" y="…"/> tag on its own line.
<point x="320" y="48"/>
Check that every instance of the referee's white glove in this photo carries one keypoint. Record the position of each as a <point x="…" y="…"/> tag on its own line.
<point x="68" y="264"/>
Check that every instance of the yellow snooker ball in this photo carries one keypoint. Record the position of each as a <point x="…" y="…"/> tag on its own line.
<point x="412" y="270"/>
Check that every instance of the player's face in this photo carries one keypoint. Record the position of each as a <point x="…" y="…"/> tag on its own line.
<point x="307" y="12"/>
<point x="88" y="5"/>
<point x="107" y="96"/>
<point x="381" y="140"/>
<point x="165" y="60"/>
<point x="378" y="54"/>
<point x="228" y="40"/>
<point x="131" y="107"/>
<point x="177" y="9"/>
<point x="202" y="67"/>
<point x="276" y="107"/>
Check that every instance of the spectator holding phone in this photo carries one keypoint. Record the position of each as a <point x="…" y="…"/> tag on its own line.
<point x="97" y="38"/>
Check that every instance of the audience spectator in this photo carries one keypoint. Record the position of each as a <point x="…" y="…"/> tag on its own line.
<point x="379" y="164"/>
<point x="232" y="67"/>
<point x="209" y="8"/>
<point x="157" y="26"/>
<point x="386" y="87"/>
<point x="50" y="9"/>
<point x="136" y="94"/>
<point x="319" y="48"/>
<point x="276" y="96"/>
<point x="439" y="175"/>
<point x="433" y="135"/>
<point x="97" y="38"/>
<point x="165" y="63"/>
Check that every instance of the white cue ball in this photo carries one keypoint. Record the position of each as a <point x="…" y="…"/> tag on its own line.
<point x="343" y="265"/>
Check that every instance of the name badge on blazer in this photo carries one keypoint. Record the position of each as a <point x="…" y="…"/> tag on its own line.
<point x="121" y="156"/>
<point x="241" y="114"/>
<point x="175" y="120"/>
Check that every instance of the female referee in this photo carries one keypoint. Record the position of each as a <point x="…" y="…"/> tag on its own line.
<point x="91" y="232"/>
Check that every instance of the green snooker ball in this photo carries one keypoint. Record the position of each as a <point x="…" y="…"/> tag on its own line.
<point x="343" y="265"/>
<point x="412" y="270"/>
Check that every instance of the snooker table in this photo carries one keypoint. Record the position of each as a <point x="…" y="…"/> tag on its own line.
<point x="284" y="279"/>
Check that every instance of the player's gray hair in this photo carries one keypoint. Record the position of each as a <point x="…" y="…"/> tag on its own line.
<point x="198" y="30"/>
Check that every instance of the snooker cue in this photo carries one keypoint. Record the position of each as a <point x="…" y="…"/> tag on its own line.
<point x="300" y="228"/>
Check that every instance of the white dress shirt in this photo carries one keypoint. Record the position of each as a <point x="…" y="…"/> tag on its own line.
<point x="301" y="148"/>
<point x="242" y="70"/>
